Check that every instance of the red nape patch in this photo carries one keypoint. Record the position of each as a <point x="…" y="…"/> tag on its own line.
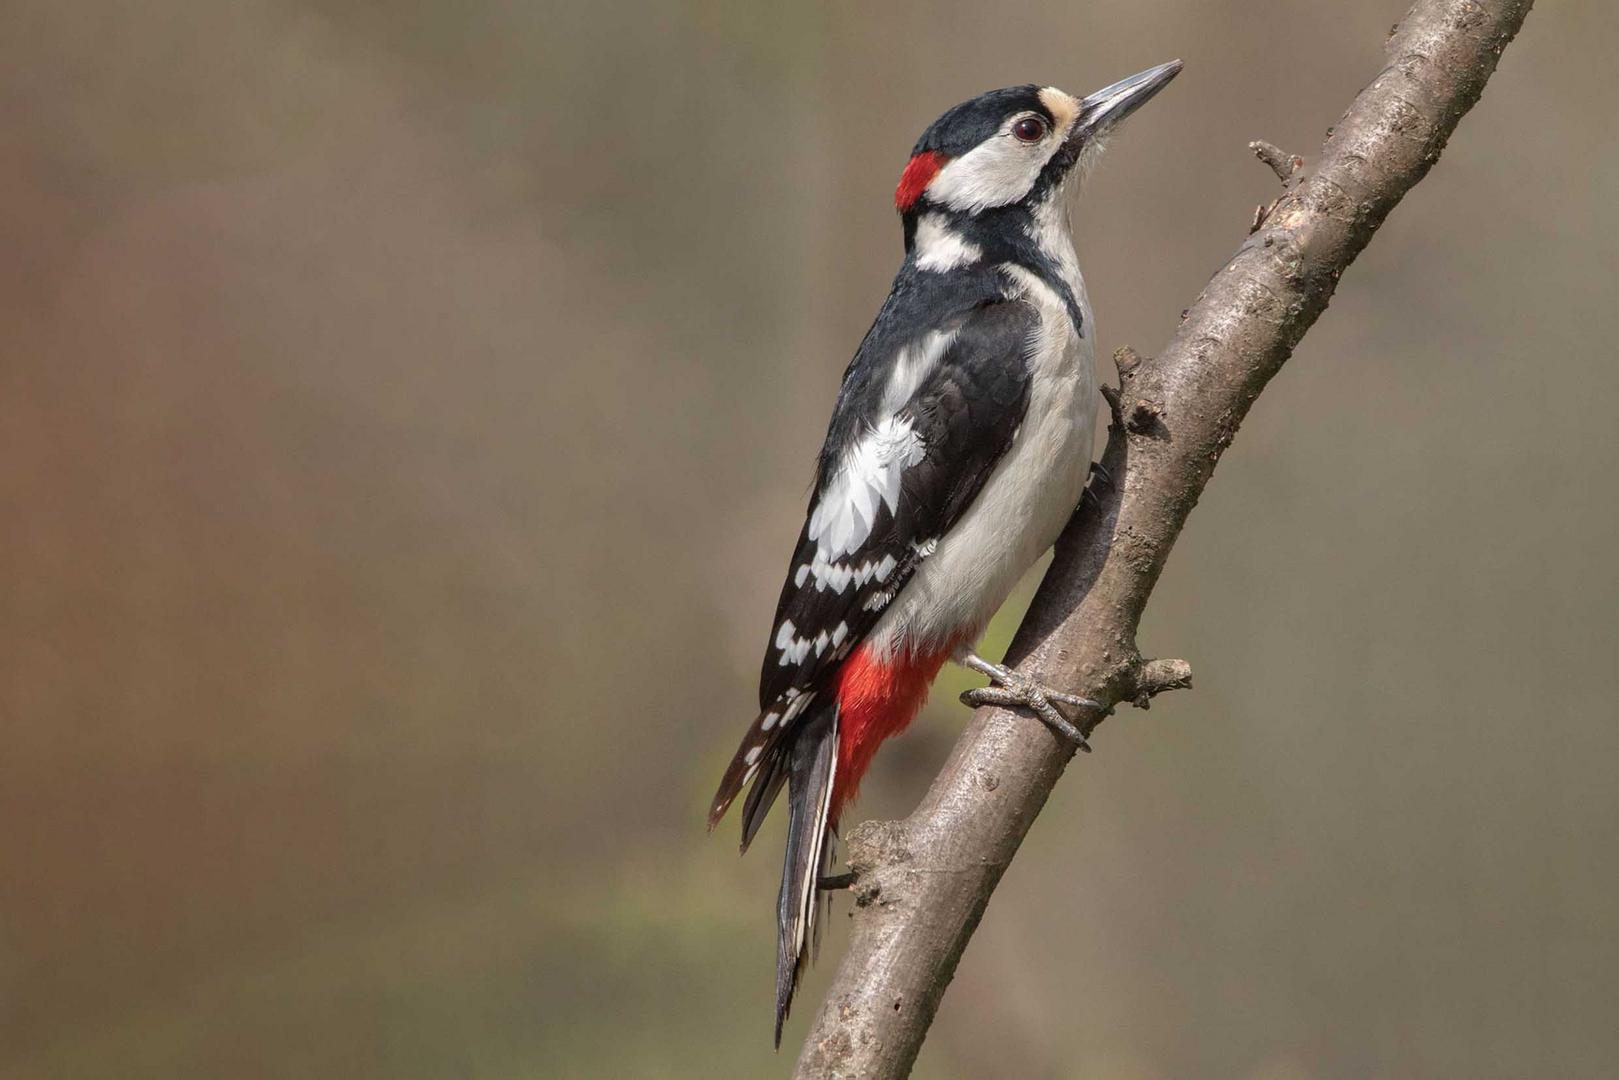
<point x="918" y="174"/>
<point x="876" y="699"/>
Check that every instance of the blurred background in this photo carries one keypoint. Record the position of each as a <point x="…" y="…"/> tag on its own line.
<point x="408" y="409"/>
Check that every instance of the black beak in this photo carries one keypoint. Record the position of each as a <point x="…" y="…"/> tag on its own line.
<point x="1108" y="106"/>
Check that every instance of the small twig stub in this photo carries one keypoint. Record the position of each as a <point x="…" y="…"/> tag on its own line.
<point x="1286" y="166"/>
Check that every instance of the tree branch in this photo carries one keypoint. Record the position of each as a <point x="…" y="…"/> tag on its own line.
<point x="922" y="884"/>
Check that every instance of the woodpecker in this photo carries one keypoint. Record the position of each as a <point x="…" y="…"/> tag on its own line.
<point x="960" y="444"/>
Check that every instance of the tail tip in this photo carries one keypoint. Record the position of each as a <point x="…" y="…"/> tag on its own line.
<point x="782" y="1008"/>
<point x="716" y="809"/>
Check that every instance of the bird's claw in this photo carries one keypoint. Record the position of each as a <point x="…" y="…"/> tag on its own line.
<point x="834" y="882"/>
<point x="1100" y="476"/>
<point x="1014" y="690"/>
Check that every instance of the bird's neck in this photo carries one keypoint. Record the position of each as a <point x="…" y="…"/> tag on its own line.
<point x="1032" y="237"/>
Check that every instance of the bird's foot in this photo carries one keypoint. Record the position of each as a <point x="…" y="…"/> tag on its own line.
<point x="834" y="882"/>
<point x="1012" y="690"/>
<point x="1100" y="477"/>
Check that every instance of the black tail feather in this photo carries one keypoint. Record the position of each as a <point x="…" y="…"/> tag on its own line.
<point x="763" y="793"/>
<point x="760" y="757"/>
<point x="811" y="768"/>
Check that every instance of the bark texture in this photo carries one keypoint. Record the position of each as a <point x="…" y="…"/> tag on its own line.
<point x="922" y="884"/>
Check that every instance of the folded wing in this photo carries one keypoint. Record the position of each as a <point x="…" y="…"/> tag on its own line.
<point x="931" y="433"/>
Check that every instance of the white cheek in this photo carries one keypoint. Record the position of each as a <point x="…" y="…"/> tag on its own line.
<point x="1000" y="171"/>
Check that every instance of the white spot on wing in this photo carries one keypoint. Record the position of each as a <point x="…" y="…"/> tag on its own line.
<point x="793" y="648"/>
<point x="795" y="653"/>
<point x="797" y="707"/>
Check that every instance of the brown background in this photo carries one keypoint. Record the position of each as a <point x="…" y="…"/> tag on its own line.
<point x="407" y="410"/>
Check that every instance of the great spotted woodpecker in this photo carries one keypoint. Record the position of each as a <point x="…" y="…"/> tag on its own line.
<point x="959" y="446"/>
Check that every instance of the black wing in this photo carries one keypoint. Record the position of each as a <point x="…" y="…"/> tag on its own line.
<point x="902" y="485"/>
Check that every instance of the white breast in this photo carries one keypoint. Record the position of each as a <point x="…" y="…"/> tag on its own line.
<point x="1025" y="501"/>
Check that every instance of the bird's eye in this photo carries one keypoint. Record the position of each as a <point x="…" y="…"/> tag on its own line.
<point x="1029" y="129"/>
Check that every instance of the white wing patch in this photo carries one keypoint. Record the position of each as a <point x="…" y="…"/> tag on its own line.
<point x="869" y="477"/>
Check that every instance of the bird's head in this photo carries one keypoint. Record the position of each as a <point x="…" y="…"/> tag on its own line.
<point x="1017" y="145"/>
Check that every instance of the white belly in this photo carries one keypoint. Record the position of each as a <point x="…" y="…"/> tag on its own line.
<point x="1024" y="504"/>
